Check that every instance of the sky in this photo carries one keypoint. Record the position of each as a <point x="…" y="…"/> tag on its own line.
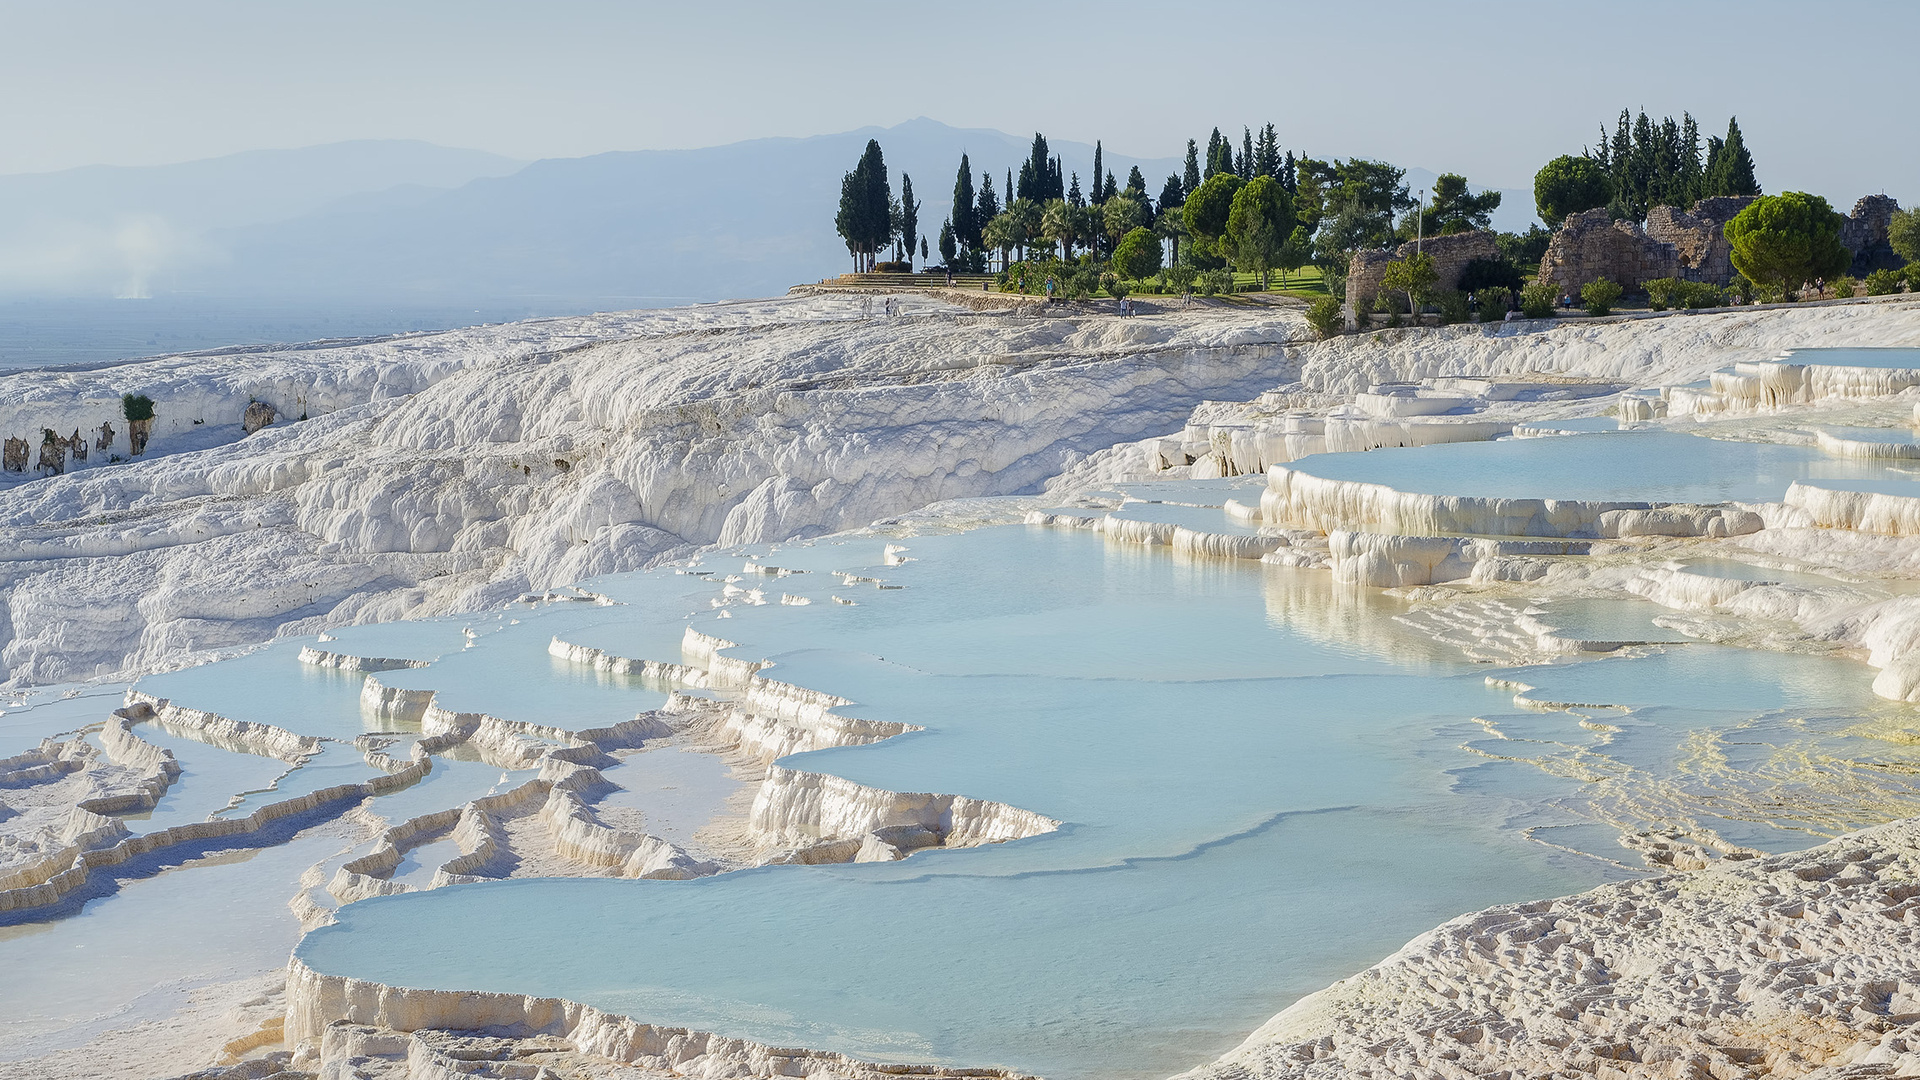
<point x="1490" y="90"/>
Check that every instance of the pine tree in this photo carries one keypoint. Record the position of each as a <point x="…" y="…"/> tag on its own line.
<point x="1736" y="164"/>
<point x="1136" y="184"/>
<point x="949" y="249"/>
<point x="966" y="227"/>
<point x="1290" y="175"/>
<point x="1098" y="171"/>
<point x="1074" y="197"/>
<point x="1190" y="176"/>
<point x="1025" y="188"/>
<point x="1109" y="189"/>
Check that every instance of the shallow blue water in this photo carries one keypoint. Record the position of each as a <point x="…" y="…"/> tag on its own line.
<point x="1266" y="784"/>
<point x="1629" y="466"/>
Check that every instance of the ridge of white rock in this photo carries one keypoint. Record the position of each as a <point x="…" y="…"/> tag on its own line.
<point x="462" y="471"/>
<point x="316" y="1002"/>
<point x="1788" y="966"/>
<point x="321" y="658"/>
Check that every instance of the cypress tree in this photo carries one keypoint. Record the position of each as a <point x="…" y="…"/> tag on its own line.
<point x="1244" y="165"/>
<point x="988" y="207"/>
<point x="1290" y="174"/>
<point x="1620" y="161"/>
<point x="1666" y="189"/>
<point x="1039" y="171"/>
<point x="1691" y="181"/>
<point x="909" y="217"/>
<point x="1190" y="176"/>
<point x="1074" y="197"/>
<point x="1711" y="172"/>
<point x="1736" y="164"/>
<point x="949" y="250"/>
<point x="1640" y="169"/>
<point x="1098" y="171"/>
<point x="1172" y="194"/>
<point x="1056" y="181"/>
<point x="1213" y="155"/>
<point x="1266" y="154"/>
<point x="1025" y="188"/>
<point x="965" y="228"/>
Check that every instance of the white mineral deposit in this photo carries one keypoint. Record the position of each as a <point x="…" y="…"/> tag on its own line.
<point x="1304" y="624"/>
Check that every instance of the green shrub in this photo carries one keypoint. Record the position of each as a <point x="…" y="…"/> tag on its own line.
<point x="1115" y="285"/>
<point x="1453" y="306"/>
<point x="1536" y="301"/>
<point x="1599" y="296"/>
<point x="1325" y="316"/>
<point x="1179" y="278"/>
<point x="1214" y="282"/>
<point x="1393" y="320"/>
<point x="1884" y="282"/>
<point x="1699" y="294"/>
<point x="1668" y="292"/>
<point x="1493" y="303"/>
<point x="136" y="406"/>
<point x="1843" y="289"/>
<point x="1660" y="293"/>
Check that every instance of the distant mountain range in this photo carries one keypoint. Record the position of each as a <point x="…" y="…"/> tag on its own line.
<point x="409" y="222"/>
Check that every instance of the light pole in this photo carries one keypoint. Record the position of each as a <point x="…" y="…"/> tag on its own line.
<point x="1419" y="222"/>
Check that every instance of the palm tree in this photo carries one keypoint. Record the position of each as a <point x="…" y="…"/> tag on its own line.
<point x="1024" y="221"/>
<point x="1173" y="228"/>
<point x="1057" y="224"/>
<point x="998" y="235"/>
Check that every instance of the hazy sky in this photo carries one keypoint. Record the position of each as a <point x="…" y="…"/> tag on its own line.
<point x="1824" y="92"/>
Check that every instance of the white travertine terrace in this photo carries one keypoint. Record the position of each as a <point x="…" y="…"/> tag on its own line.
<point x="435" y="484"/>
<point x="1766" y="385"/>
<point x="1800" y="965"/>
<point x="1300" y="500"/>
<point x="316" y="1002"/>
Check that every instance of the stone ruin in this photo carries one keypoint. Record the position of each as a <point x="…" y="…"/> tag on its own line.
<point x="1451" y="254"/>
<point x="14" y="459"/>
<point x="1674" y="243"/>
<point x="1865" y="234"/>
<point x="105" y="442"/>
<point x="77" y="446"/>
<point x="1688" y="244"/>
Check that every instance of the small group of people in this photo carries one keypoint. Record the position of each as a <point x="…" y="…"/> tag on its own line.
<point x="887" y="306"/>
<point x="1126" y="307"/>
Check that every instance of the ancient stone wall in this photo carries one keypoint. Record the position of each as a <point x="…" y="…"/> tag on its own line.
<point x="1699" y="236"/>
<point x="1591" y="245"/>
<point x="1865" y="234"/>
<point x="1451" y="254"/>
